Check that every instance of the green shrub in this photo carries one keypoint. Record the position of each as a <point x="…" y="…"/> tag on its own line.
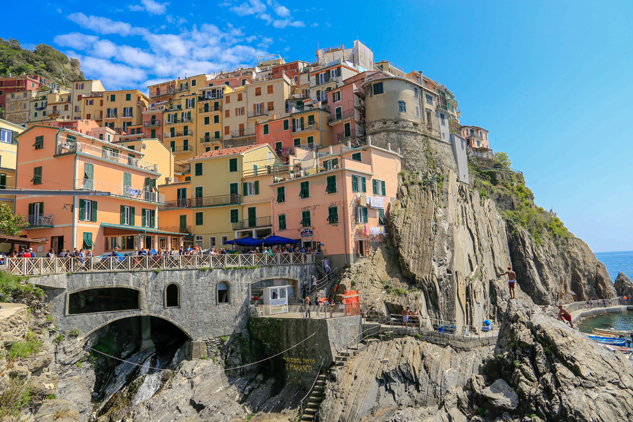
<point x="74" y="332"/>
<point x="157" y="270"/>
<point x="24" y="348"/>
<point x="9" y="282"/>
<point x="224" y="339"/>
<point x="50" y="397"/>
<point x="516" y="363"/>
<point x="59" y="339"/>
<point x="204" y="357"/>
<point x="78" y="364"/>
<point x="14" y="397"/>
<point x="400" y="292"/>
<point x="49" y="318"/>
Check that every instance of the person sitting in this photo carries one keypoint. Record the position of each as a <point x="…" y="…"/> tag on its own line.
<point x="563" y="315"/>
<point x="50" y="253"/>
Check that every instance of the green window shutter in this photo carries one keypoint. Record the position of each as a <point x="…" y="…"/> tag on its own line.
<point x="31" y="209"/>
<point x="286" y="128"/>
<point x="305" y="190"/>
<point x="356" y="156"/>
<point x="122" y="214"/>
<point x="94" y="211"/>
<point x="375" y="186"/>
<point x="310" y="140"/>
<point x="198" y="191"/>
<point x="199" y="219"/>
<point x="153" y="133"/>
<point x="332" y="215"/>
<point x="89" y="171"/>
<point x="305" y="218"/>
<point x="82" y="208"/>
<point x="37" y="176"/>
<point x="127" y="179"/>
<point x="193" y="104"/>
<point x="354" y="183"/>
<point x="384" y="191"/>
<point x="172" y="145"/>
<point x="365" y="215"/>
<point x="128" y="97"/>
<point x="311" y="120"/>
<point x="198" y="167"/>
<point x="185" y="145"/>
<point x="143" y="218"/>
<point x="233" y="164"/>
<point x="256" y="187"/>
<point x="39" y="142"/>
<point x="266" y="129"/>
<point x="364" y="184"/>
<point x="302" y="125"/>
<point x="381" y="217"/>
<point x="245" y="189"/>
<point x="235" y="216"/>
<point x="282" y="222"/>
<point x="331" y="184"/>
<point x="132" y="210"/>
<point x="3" y="180"/>
<point x="281" y="194"/>
<point x="233" y="188"/>
<point x="153" y="219"/>
<point x="41" y="208"/>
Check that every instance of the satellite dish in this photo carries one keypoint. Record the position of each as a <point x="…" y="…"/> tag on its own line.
<point x="143" y="145"/>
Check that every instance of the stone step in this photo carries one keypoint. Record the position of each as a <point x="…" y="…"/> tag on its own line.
<point x="309" y="411"/>
<point x="321" y="382"/>
<point x="322" y="377"/>
<point x="314" y="404"/>
<point x="307" y="417"/>
<point x="319" y="389"/>
<point x="339" y="364"/>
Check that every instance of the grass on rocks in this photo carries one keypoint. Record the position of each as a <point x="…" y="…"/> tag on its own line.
<point x="25" y="348"/>
<point x="14" y="397"/>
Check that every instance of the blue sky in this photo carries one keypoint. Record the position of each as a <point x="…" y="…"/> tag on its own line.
<point x="550" y="80"/>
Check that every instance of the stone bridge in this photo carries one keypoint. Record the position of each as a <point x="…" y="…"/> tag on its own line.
<point x="202" y="302"/>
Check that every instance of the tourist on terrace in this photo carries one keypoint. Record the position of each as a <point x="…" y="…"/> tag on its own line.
<point x="50" y="254"/>
<point x="405" y="317"/>
<point x="307" y="306"/>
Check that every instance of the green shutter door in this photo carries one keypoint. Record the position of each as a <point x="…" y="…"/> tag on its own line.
<point x="143" y="218"/>
<point x="89" y="175"/>
<point x="153" y="219"/>
<point x="281" y="194"/>
<point x="282" y="222"/>
<point x="3" y="180"/>
<point x="122" y="214"/>
<point x="375" y="186"/>
<point x="185" y="145"/>
<point x="234" y="216"/>
<point x="94" y="211"/>
<point x="384" y="191"/>
<point x="256" y="187"/>
<point x="82" y="209"/>
<point x="172" y="145"/>
<point x="354" y="184"/>
<point x="364" y="185"/>
<point x="153" y="133"/>
<point x="31" y="209"/>
<point x="127" y="179"/>
<point x="365" y="215"/>
<point x="183" y="223"/>
<point x="245" y="189"/>
<point x="233" y="188"/>
<point x="252" y="217"/>
<point x="132" y="210"/>
<point x="198" y="192"/>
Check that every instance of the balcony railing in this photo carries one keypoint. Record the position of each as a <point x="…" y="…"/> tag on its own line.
<point x="177" y="134"/>
<point x="345" y="114"/>
<point x="182" y="168"/>
<point x="128" y="115"/>
<point x="209" y="98"/>
<point x="39" y="220"/>
<point x="205" y="139"/>
<point x="184" y="87"/>
<point x="210" y="201"/>
<point x="243" y="132"/>
<point x="252" y="223"/>
<point x="210" y="109"/>
<point x="152" y="123"/>
<point x="72" y="147"/>
<point x="119" y="190"/>
<point x="160" y="92"/>
<point x="176" y="203"/>
<point x="178" y="150"/>
<point x="177" y="229"/>
<point x="111" y="115"/>
<point x="304" y="129"/>
<point x="256" y="113"/>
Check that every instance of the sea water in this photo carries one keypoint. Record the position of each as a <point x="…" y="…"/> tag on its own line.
<point x="617" y="262"/>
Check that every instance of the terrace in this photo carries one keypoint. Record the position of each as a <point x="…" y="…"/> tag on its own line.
<point x="106" y="153"/>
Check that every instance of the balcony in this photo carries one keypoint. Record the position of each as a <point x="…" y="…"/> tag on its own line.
<point x="212" y="201"/>
<point x="257" y="113"/>
<point x="176" y="203"/>
<point x="152" y="123"/>
<point x="180" y="150"/>
<point x="159" y="92"/>
<point x="177" y="229"/>
<point x="73" y="147"/>
<point x="343" y="115"/>
<point x="206" y="139"/>
<point x="54" y="112"/>
<point x="253" y="223"/>
<point x="243" y="132"/>
<point x="177" y="134"/>
<point x="183" y="88"/>
<point x="314" y="81"/>
<point x="39" y="220"/>
<point x="127" y="115"/>
<point x="111" y="115"/>
<point x="210" y="109"/>
<point x="209" y="98"/>
<point x="120" y="190"/>
<point x="305" y="128"/>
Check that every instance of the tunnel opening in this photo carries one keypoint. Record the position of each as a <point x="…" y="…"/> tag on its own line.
<point x="103" y="300"/>
<point x="147" y="348"/>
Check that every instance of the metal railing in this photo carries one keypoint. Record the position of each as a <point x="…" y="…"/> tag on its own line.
<point x="204" y="139"/>
<point x="111" y="115"/>
<point x="38" y="220"/>
<point x="338" y="310"/>
<point x="304" y="128"/>
<point x="243" y="132"/>
<point x="159" y="92"/>
<point x="256" y="113"/>
<point x="71" y="147"/>
<point x="210" y="109"/>
<point x="176" y="203"/>
<point x="119" y="190"/>
<point x="152" y="123"/>
<point x="209" y="201"/>
<point x="345" y="114"/>
<point x="177" y="229"/>
<point x="252" y="223"/>
<point x="44" y="266"/>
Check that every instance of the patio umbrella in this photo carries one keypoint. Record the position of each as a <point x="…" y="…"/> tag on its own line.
<point x="245" y="241"/>
<point x="276" y="240"/>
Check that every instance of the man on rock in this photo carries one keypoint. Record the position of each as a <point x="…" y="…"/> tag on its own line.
<point x="563" y="315"/>
<point x="512" y="279"/>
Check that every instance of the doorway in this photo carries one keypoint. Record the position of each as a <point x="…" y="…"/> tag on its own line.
<point x="57" y="243"/>
<point x="363" y="248"/>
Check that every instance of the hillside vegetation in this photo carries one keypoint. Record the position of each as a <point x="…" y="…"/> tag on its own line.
<point x="44" y="60"/>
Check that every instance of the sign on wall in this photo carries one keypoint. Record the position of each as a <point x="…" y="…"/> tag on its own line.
<point x="306" y="233"/>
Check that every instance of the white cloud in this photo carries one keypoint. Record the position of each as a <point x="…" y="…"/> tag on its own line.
<point x="282" y="11"/>
<point x="75" y="40"/>
<point x="251" y="38"/>
<point x="59" y="10"/>
<point x="101" y="25"/>
<point x="258" y="8"/>
<point x="104" y="49"/>
<point x="288" y="22"/>
<point x="154" y="7"/>
<point x="252" y="7"/>
<point x="136" y="8"/>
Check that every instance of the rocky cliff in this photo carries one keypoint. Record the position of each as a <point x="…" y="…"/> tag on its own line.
<point x="623" y="286"/>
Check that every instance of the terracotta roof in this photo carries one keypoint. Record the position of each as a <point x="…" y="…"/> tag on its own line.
<point x="228" y="151"/>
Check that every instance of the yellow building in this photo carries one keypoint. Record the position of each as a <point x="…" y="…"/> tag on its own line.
<point x="8" y="158"/>
<point x="209" y="117"/>
<point x="58" y="105"/>
<point x="310" y="128"/>
<point x="81" y="89"/>
<point x="234" y="118"/>
<point x="92" y="107"/>
<point x="39" y="100"/>
<point x="231" y="197"/>
<point x="123" y="108"/>
<point x="18" y="106"/>
<point x="179" y="126"/>
<point x="175" y="214"/>
<point x="267" y="98"/>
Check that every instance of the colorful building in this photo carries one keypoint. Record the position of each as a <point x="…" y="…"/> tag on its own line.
<point x="329" y="77"/>
<point x="292" y="70"/>
<point x="179" y="125"/>
<point x="124" y="108"/>
<point x="209" y="120"/>
<point x="8" y="158"/>
<point x="37" y="107"/>
<point x="475" y="136"/>
<point x="92" y="107"/>
<point x="229" y="194"/>
<point x="80" y="90"/>
<point x="58" y="105"/>
<point x="176" y="214"/>
<point x="18" y="106"/>
<point x="125" y="218"/>
<point x="234" y="79"/>
<point x="11" y="84"/>
<point x="339" y="201"/>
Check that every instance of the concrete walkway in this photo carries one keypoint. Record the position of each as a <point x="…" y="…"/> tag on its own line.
<point x="599" y="311"/>
<point x="8" y="309"/>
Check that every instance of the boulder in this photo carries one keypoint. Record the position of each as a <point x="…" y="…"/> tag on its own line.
<point x="501" y="396"/>
<point x="44" y="385"/>
<point x="57" y="411"/>
<point x="623" y="286"/>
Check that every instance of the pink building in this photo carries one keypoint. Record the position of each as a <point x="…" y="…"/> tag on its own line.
<point x="276" y="133"/>
<point x="291" y="70"/>
<point x="344" y="206"/>
<point x="81" y="126"/>
<point x="153" y="122"/>
<point x="233" y="79"/>
<point x="347" y="110"/>
<point x="10" y="84"/>
<point x="476" y="137"/>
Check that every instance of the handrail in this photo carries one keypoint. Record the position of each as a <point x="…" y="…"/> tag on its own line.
<point x="311" y="388"/>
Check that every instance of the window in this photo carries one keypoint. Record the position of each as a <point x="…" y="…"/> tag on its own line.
<point x="269" y="89"/>
<point x="199" y="218"/>
<point x="232" y="165"/>
<point x="361" y="215"/>
<point x="442" y="119"/>
<point x="331" y="164"/>
<point x="216" y="118"/>
<point x="77" y="110"/>
<point x="415" y="92"/>
<point x="279" y="146"/>
<point x="198" y="169"/>
<point x="37" y="176"/>
<point x="172" y="296"/>
<point x="235" y="216"/>
<point x="228" y="99"/>
<point x="127" y="215"/>
<point x="233" y="188"/>
<point x="223" y="292"/>
<point x="332" y="215"/>
<point x="379" y="187"/>
<point x="338" y="113"/>
<point x="194" y="82"/>
<point x="336" y="96"/>
<point x="258" y="91"/>
<point x="6" y="136"/>
<point x="305" y="218"/>
<point x="402" y="107"/>
<point x="148" y="218"/>
<point x="251" y="188"/>
<point x="216" y="134"/>
<point x="429" y="99"/>
<point x="297" y="142"/>
<point x="227" y="83"/>
<point x="417" y="111"/>
<point x="282" y="221"/>
<point x="212" y="242"/>
<point x="266" y="129"/>
<point x="381" y="217"/>
<point x="378" y="88"/>
<point x="357" y="156"/>
<point x="39" y="142"/>
<point x="359" y="184"/>
<point x="3" y="180"/>
<point x="112" y="98"/>
<point x="305" y="190"/>
<point x="311" y="119"/>
<point x="281" y="194"/>
<point x="310" y="140"/>
<point x="331" y="184"/>
<point x="227" y="130"/>
<point x="87" y="210"/>
<point x="207" y="120"/>
<point x="224" y="240"/>
<point x="428" y="118"/>
<point x="347" y="129"/>
<point x="227" y="113"/>
<point x="286" y="125"/>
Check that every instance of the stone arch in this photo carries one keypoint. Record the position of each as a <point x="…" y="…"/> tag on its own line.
<point x="172" y="297"/>
<point x="296" y="286"/>
<point x="184" y="330"/>
<point x="70" y="293"/>
<point x="223" y="292"/>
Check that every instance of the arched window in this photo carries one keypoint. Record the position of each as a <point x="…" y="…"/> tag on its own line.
<point x="172" y="295"/>
<point x="223" y="293"/>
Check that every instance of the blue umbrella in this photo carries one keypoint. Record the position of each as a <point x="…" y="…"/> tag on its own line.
<point x="245" y="241"/>
<point x="276" y="240"/>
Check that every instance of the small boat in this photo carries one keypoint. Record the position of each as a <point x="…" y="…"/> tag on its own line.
<point x="608" y="340"/>
<point x="611" y="331"/>
<point x="601" y="334"/>
<point x="625" y="350"/>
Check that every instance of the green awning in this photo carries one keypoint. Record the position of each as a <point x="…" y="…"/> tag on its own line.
<point x="139" y="230"/>
<point x="88" y="243"/>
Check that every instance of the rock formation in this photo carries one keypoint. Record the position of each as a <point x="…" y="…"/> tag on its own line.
<point x="623" y="286"/>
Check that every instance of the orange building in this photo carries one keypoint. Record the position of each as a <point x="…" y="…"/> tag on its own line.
<point x="61" y="159"/>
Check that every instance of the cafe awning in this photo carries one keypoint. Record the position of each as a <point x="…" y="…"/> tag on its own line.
<point x="119" y="230"/>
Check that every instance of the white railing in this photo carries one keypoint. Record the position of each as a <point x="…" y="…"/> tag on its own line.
<point x="43" y="266"/>
<point x="119" y="190"/>
<point x="67" y="147"/>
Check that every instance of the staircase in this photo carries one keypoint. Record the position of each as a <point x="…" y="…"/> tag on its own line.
<point x="315" y="399"/>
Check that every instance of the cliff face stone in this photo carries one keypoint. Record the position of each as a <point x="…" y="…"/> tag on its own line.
<point x="551" y="271"/>
<point x="623" y="286"/>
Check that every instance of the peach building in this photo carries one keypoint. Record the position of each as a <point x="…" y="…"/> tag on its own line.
<point x="476" y="137"/>
<point x="125" y="216"/>
<point x="339" y="200"/>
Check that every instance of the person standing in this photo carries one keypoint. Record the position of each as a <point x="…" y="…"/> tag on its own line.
<point x="405" y="317"/>
<point x="314" y="284"/>
<point x="512" y="279"/>
<point x="307" y="306"/>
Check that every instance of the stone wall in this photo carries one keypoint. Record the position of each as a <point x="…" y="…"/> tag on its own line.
<point x="199" y="315"/>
